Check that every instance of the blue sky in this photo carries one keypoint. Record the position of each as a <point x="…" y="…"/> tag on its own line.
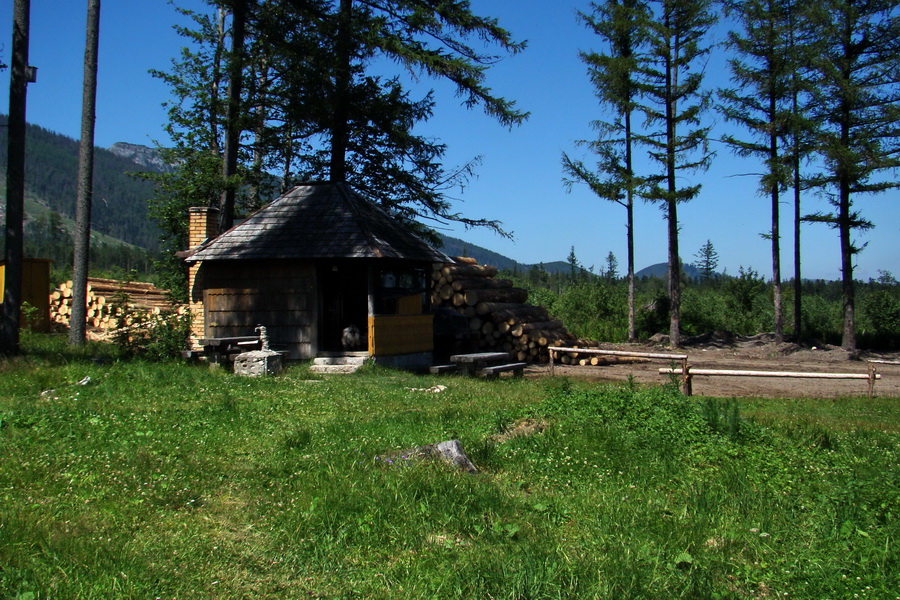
<point x="520" y="179"/>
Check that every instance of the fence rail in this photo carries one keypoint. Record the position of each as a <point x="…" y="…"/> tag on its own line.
<point x="687" y="373"/>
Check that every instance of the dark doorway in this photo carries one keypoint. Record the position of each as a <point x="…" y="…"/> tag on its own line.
<point x="344" y="302"/>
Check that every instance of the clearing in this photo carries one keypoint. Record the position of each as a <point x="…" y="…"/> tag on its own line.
<point x="758" y="353"/>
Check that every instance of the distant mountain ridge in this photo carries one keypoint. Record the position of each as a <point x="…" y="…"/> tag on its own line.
<point x="120" y="199"/>
<point x="661" y="271"/>
<point x="456" y="247"/>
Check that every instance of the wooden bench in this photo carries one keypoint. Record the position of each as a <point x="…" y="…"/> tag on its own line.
<point x="438" y="369"/>
<point x="494" y="370"/>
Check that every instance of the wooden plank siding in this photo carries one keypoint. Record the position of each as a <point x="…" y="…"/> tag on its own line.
<point x="391" y="335"/>
<point x="238" y="296"/>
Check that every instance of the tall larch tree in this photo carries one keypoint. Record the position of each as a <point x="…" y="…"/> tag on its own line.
<point x="799" y="52"/>
<point x="857" y="103"/>
<point x="760" y="103"/>
<point x="673" y="102"/>
<point x="85" y="191"/>
<point x="621" y="28"/>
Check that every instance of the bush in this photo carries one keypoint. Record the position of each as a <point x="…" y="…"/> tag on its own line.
<point x="879" y="323"/>
<point x="156" y="337"/>
<point x="745" y="296"/>
<point x="591" y="309"/>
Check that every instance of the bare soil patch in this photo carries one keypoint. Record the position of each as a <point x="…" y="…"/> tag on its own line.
<point x="756" y="353"/>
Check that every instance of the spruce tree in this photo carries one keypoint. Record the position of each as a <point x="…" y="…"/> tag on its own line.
<point x="316" y="109"/>
<point x="856" y="72"/>
<point x="671" y="73"/>
<point x="621" y="27"/>
<point x="707" y="260"/>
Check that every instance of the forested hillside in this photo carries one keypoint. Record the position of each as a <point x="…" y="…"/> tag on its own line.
<point x="120" y="199"/>
<point x="123" y="236"/>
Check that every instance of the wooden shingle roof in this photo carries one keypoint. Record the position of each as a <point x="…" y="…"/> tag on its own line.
<point x="318" y="220"/>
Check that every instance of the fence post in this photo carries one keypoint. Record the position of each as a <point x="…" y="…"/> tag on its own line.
<point x="686" y="386"/>
<point x="552" y="370"/>
<point x="872" y="374"/>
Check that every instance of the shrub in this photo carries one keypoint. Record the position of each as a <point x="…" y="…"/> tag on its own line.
<point x="591" y="309"/>
<point x="879" y="323"/>
<point x="156" y="337"/>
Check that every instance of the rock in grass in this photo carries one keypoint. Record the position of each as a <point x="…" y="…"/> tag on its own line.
<point x="450" y="452"/>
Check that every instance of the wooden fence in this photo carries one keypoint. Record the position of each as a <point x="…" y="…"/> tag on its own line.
<point x="687" y="373"/>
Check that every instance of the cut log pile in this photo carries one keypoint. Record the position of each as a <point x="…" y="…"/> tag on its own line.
<point x="499" y="317"/>
<point x="113" y="304"/>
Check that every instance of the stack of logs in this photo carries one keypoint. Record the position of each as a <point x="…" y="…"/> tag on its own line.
<point x="499" y="318"/>
<point x="112" y="304"/>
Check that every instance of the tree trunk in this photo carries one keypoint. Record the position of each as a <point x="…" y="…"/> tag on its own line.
<point x="798" y="282"/>
<point x="629" y="227"/>
<point x="215" y="81"/>
<point x="672" y="202"/>
<point x="78" y="321"/>
<point x="776" y="232"/>
<point x="340" y="129"/>
<point x="795" y="166"/>
<point x="845" y="217"/>
<point x="232" y="125"/>
<point x="15" y="180"/>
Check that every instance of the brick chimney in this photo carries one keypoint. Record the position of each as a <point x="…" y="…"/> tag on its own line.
<point x="203" y="224"/>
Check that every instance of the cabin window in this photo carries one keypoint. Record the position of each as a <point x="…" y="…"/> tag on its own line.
<point x="401" y="291"/>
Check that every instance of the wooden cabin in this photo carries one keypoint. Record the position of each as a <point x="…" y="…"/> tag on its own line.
<point x="317" y="260"/>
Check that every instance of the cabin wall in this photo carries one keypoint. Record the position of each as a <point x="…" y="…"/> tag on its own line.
<point x="35" y="291"/>
<point x="239" y="295"/>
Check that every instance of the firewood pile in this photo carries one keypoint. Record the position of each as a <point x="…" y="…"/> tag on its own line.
<point x="500" y="320"/>
<point x="113" y="304"/>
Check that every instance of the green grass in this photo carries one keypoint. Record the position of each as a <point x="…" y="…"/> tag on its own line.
<point x="160" y="480"/>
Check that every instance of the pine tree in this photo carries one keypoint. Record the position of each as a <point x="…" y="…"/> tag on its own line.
<point x="857" y="100"/>
<point x="621" y="27"/>
<point x="673" y="102"/>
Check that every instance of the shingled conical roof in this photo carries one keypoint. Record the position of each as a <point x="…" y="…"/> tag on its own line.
<point x="318" y="220"/>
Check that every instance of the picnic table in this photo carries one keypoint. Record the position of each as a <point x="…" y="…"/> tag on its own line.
<point x="468" y="364"/>
<point x="486" y="364"/>
<point x="223" y="349"/>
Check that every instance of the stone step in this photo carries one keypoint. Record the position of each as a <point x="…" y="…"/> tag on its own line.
<point x="356" y="360"/>
<point x="334" y="369"/>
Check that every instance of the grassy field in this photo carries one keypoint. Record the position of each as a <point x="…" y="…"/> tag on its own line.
<point x="173" y="481"/>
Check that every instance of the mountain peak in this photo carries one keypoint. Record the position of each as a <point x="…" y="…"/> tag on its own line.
<point x="141" y="155"/>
